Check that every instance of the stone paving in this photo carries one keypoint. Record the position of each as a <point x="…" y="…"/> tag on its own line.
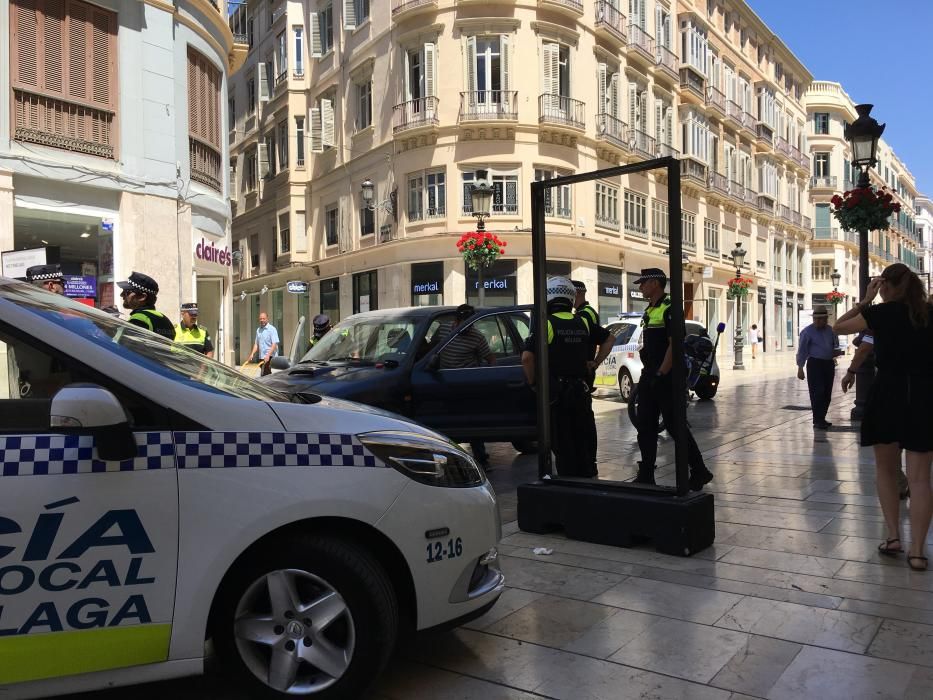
<point x="793" y="600"/>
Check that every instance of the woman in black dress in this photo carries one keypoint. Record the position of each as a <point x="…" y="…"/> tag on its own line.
<point x="899" y="410"/>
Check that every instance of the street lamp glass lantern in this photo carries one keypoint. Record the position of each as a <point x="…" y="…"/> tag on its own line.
<point x="835" y="277"/>
<point x="863" y="135"/>
<point x="368" y="191"/>
<point x="481" y="198"/>
<point x="738" y="255"/>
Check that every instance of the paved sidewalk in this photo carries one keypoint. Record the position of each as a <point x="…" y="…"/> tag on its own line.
<point x="793" y="601"/>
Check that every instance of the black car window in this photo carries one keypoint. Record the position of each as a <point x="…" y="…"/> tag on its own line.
<point x="624" y="333"/>
<point x="436" y="332"/>
<point x="522" y="323"/>
<point x="496" y="333"/>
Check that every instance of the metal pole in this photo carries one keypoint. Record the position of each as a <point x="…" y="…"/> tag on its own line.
<point x="738" y="344"/>
<point x="678" y="370"/>
<point x="481" y="289"/>
<point x="865" y="375"/>
<point x="539" y="323"/>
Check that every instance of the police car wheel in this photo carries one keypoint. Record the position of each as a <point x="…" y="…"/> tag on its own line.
<point x="317" y="617"/>
<point x="625" y="385"/>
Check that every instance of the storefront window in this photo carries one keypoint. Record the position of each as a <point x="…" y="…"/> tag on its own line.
<point x="330" y="299"/>
<point x="712" y="309"/>
<point x="427" y="284"/>
<point x="609" y="292"/>
<point x="636" y="302"/>
<point x="276" y="317"/>
<point x="790" y="324"/>
<point x="499" y="281"/>
<point x="365" y="292"/>
<point x="304" y="309"/>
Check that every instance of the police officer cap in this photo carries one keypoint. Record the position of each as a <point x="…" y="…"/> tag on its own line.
<point x="44" y="273"/>
<point x="578" y="285"/>
<point x="560" y="288"/>
<point x="464" y="311"/>
<point x="321" y="321"/>
<point x="191" y="308"/>
<point x="138" y="282"/>
<point x="652" y="273"/>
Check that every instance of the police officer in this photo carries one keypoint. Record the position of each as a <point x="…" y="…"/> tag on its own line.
<point x="139" y="296"/>
<point x="571" y="339"/>
<point x="190" y="334"/>
<point x="321" y="324"/>
<point x="583" y="308"/>
<point x="48" y="277"/>
<point x="655" y="390"/>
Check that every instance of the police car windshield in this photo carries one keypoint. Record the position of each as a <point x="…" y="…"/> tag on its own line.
<point x="148" y="350"/>
<point x="365" y="340"/>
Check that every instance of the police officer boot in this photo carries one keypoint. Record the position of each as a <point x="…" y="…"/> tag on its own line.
<point x="645" y="474"/>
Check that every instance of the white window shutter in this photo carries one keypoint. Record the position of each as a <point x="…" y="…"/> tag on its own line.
<point x="263" y="82"/>
<point x="632" y="108"/>
<point x="349" y="14"/>
<point x="669" y="121"/>
<point x="551" y="70"/>
<point x="263" y="158"/>
<point x="602" y="88"/>
<point x="471" y="66"/>
<point x="430" y="70"/>
<point x="327" y="123"/>
<point x="658" y="120"/>
<point x="231" y="185"/>
<point x="643" y="112"/>
<point x="642" y="18"/>
<point x="614" y="95"/>
<point x="317" y="144"/>
<point x="315" y="37"/>
<point x="505" y="62"/>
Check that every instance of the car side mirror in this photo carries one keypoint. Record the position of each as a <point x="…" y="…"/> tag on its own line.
<point x="280" y="362"/>
<point x="91" y="408"/>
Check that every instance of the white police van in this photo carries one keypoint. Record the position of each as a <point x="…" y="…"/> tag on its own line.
<point x="152" y="500"/>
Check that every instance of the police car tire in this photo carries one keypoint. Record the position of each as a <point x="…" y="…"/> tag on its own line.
<point x="631" y="386"/>
<point x="354" y="573"/>
<point x="633" y="410"/>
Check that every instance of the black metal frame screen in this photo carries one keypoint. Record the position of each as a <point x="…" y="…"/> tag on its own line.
<point x="675" y="258"/>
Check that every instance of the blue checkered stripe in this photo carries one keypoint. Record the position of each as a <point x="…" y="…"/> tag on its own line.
<point x="207" y="450"/>
<point x="38" y="455"/>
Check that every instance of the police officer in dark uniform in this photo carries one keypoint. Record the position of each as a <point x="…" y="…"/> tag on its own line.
<point x="655" y="393"/>
<point x="583" y="308"/>
<point x="321" y="324"/>
<point x="48" y="277"/>
<point x="571" y="339"/>
<point x="139" y="296"/>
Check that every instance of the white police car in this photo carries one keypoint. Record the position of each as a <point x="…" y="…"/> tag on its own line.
<point x="151" y="500"/>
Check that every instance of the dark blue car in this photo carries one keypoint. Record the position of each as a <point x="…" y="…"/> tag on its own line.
<point x="391" y="359"/>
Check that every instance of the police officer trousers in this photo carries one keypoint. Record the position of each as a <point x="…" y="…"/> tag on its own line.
<point x="655" y="399"/>
<point x="573" y="428"/>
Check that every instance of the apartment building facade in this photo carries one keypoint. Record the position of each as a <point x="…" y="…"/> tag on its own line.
<point x="111" y="150"/>
<point x="421" y="97"/>
<point x="923" y="208"/>
<point x="829" y="109"/>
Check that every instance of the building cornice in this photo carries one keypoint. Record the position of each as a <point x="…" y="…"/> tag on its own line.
<point x="487" y="25"/>
<point x="557" y="32"/>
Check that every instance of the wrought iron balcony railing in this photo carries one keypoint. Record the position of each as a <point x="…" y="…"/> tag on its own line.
<point x="415" y="113"/>
<point x="50" y="121"/>
<point x="667" y="60"/>
<point x="488" y="105"/>
<point x="764" y="133"/>
<point x="558" y="109"/>
<point x="641" y="41"/>
<point x="823" y="182"/>
<point x="610" y="19"/>
<point x="205" y="163"/>
<point x="613" y="130"/>
<point x="715" y="98"/>
<point x="642" y="143"/>
<point x="718" y="182"/>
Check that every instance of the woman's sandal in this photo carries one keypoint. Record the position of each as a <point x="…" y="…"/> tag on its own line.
<point x="889" y="551"/>
<point x="912" y="559"/>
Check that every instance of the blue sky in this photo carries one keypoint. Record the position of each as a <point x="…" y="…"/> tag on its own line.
<point x="894" y="72"/>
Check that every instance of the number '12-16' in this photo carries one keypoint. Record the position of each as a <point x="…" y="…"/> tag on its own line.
<point x="437" y="551"/>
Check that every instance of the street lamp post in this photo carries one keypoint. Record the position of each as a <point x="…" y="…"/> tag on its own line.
<point x="481" y="199"/>
<point x="863" y="135"/>
<point x="738" y="257"/>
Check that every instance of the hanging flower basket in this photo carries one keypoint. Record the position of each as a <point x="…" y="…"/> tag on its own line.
<point x="864" y="209"/>
<point x="739" y="286"/>
<point x="479" y="249"/>
<point x="835" y="297"/>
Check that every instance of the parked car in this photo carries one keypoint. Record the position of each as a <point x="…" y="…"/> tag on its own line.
<point x="622" y="367"/>
<point x="390" y="359"/>
<point x="152" y="499"/>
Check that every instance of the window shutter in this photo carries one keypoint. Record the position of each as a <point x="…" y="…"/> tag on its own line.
<point x="430" y="70"/>
<point x="327" y="123"/>
<point x="263" y="82"/>
<point x="349" y="14"/>
<point x="471" y="66"/>
<point x="262" y="151"/>
<point x="669" y="121"/>
<point x="642" y="19"/>
<point x="317" y="144"/>
<point x="658" y="120"/>
<point x="614" y="95"/>
<point x="53" y="38"/>
<point x="505" y="62"/>
<point x="25" y="30"/>
<point x="632" y="109"/>
<point x="231" y="185"/>
<point x="602" y="88"/>
<point x="315" y="32"/>
<point x="78" y="52"/>
<point x="643" y="112"/>
<point x="102" y="56"/>
<point x="551" y="72"/>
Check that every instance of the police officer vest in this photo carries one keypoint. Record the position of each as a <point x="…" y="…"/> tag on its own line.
<point x="153" y="320"/>
<point x="589" y="313"/>
<point x="654" y="333"/>
<point x="569" y="346"/>
<point x="195" y="338"/>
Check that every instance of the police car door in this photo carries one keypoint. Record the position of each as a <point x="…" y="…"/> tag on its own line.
<point x="88" y="548"/>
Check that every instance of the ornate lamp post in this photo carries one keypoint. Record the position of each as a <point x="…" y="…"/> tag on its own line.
<point x="738" y="257"/>
<point x="835" y="277"/>
<point x="481" y="199"/>
<point x="863" y="135"/>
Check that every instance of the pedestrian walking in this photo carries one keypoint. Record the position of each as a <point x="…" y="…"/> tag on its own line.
<point x="655" y="390"/>
<point x="899" y="410"/>
<point x="753" y="339"/>
<point x="468" y="349"/>
<point x="266" y="344"/>
<point x="817" y="351"/>
<point x="48" y="277"/>
<point x="139" y="295"/>
<point x="190" y="334"/>
<point x="570" y="340"/>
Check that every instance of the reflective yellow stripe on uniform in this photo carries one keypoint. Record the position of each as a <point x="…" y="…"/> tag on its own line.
<point x="566" y="316"/>
<point x="145" y="317"/>
<point x="654" y="315"/>
<point x="31" y="657"/>
<point x="589" y="314"/>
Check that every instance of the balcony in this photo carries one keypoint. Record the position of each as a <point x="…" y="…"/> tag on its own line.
<point x="795" y="219"/>
<point x="805" y="222"/>
<point x="693" y="84"/>
<point x="636" y="231"/>
<point x="561" y="110"/>
<point x="205" y="163"/>
<point x="734" y="112"/>
<point x="750" y="198"/>
<point x="57" y="123"/>
<point x="488" y="106"/>
<point x="403" y="7"/>
<point x="764" y="133"/>
<point x="572" y="7"/>
<point x="766" y="204"/>
<point x="613" y="131"/>
<point x="718" y="182"/>
<point x="823" y="182"/>
<point x="693" y="170"/>
<point x="784" y="212"/>
<point x="667" y="61"/>
<point x="781" y="145"/>
<point x="642" y="43"/>
<point x="610" y="22"/>
<point x="737" y="191"/>
<point x="642" y="144"/>
<point x="415" y="114"/>
<point x="665" y="149"/>
<point x="748" y="123"/>
<point x="716" y="99"/>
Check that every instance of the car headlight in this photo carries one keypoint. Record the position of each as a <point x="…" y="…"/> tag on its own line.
<point x="425" y="459"/>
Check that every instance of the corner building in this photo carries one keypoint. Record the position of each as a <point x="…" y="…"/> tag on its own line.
<point x="112" y="156"/>
<point x="418" y="96"/>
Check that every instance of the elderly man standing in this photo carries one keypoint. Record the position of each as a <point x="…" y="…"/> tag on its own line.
<point x="267" y="344"/>
<point x="817" y="349"/>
